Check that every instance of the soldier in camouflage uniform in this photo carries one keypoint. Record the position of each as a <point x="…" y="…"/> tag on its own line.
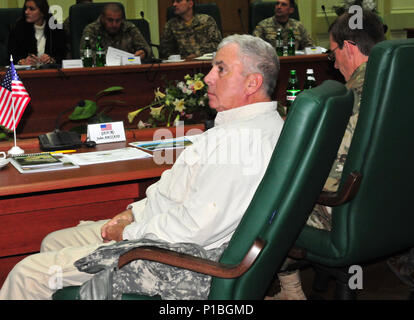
<point x="189" y="35"/>
<point x="350" y="49"/>
<point x="115" y="32"/>
<point x="267" y="29"/>
<point x="321" y="215"/>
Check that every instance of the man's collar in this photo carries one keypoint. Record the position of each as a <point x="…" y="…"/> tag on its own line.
<point x="244" y="112"/>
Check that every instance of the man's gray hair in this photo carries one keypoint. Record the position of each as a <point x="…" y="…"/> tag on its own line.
<point x="257" y="56"/>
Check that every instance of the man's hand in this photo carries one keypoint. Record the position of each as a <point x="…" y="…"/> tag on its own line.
<point x="140" y="53"/>
<point x="45" y="59"/>
<point x="113" y="229"/>
<point x="31" y="59"/>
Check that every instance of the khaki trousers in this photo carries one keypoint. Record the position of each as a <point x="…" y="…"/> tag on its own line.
<point x="38" y="276"/>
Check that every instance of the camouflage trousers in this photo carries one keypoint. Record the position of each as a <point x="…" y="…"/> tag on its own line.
<point x="144" y="277"/>
<point x="320" y="218"/>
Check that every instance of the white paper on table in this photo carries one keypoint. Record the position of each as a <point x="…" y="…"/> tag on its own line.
<point x="107" y="156"/>
<point x="114" y="56"/>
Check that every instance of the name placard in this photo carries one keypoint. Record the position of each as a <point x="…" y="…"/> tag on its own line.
<point x="72" y="63"/>
<point x="130" y="60"/>
<point x="106" y="132"/>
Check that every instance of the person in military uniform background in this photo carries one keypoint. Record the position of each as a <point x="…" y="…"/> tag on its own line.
<point x="189" y="35"/>
<point x="267" y="28"/>
<point x="350" y="49"/>
<point x="116" y="32"/>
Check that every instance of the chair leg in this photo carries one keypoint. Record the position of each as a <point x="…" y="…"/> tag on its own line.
<point x="344" y="292"/>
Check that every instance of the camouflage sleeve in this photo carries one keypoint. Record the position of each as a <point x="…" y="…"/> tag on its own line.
<point x="212" y="37"/>
<point x="334" y="178"/>
<point x="259" y="32"/>
<point x="139" y="42"/>
<point x="167" y="43"/>
<point x="306" y="40"/>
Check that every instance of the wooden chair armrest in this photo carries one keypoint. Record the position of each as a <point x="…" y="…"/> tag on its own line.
<point x="347" y="192"/>
<point x="192" y="263"/>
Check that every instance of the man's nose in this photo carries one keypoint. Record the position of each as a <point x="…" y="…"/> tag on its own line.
<point x="208" y="78"/>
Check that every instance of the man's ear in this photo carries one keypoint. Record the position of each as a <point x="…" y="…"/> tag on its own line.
<point x="291" y="10"/>
<point x="254" y="83"/>
<point x="350" y="49"/>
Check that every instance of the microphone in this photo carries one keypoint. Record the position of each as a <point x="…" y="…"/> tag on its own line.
<point x="326" y="16"/>
<point x="239" y="11"/>
<point x="60" y="140"/>
<point x="141" y="13"/>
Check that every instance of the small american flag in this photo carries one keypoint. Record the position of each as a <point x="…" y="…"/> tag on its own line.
<point x="105" y="127"/>
<point x="12" y="91"/>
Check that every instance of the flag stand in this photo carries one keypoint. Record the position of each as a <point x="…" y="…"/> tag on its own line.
<point x="15" y="150"/>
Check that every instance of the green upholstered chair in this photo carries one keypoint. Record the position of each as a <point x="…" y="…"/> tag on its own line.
<point x="8" y="18"/>
<point x="211" y="9"/>
<point x="282" y="202"/>
<point x="379" y="221"/>
<point x="80" y="16"/>
<point x="259" y="11"/>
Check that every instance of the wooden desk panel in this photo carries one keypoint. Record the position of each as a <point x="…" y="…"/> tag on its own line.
<point x="53" y="91"/>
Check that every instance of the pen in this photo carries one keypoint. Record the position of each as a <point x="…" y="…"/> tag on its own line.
<point x="62" y="151"/>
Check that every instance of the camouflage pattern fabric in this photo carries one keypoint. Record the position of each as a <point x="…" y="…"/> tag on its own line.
<point x="142" y="276"/>
<point x="128" y="39"/>
<point x="267" y="30"/>
<point x="320" y="217"/>
<point x="200" y="37"/>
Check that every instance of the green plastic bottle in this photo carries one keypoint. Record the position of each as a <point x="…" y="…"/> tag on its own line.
<point x="292" y="90"/>
<point x="279" y="43"/>
<point x="310" y="81"/>
<point x="100" y="54"/>
<point x="291" y="43"/>
<point x="87" y="54"/>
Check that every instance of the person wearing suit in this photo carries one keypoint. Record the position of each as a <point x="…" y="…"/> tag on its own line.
<point x="37" y="38"/>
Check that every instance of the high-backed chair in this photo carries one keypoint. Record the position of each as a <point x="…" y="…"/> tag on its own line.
<point x="278" y="211"/>
<point x="259" y="11"/>
<point x="379" y="221"/>
<point x="80" y="16"/>
<point x="211" y="9"/>
<point x="8" y="18"/>
<point x="144" y="27"/>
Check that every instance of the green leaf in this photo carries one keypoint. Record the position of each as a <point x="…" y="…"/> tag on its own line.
<point x="109" y="90"/>
<point x="82" y="113"/>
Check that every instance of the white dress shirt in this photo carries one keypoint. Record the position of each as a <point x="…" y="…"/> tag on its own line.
<point x="203" y="197"/>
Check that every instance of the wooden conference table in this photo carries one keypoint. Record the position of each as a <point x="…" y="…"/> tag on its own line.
<point x="53" y="91"/>
<point x="33" y="205"/>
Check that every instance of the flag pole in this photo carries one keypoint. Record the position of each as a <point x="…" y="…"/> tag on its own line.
<point x="15" y="150"/>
